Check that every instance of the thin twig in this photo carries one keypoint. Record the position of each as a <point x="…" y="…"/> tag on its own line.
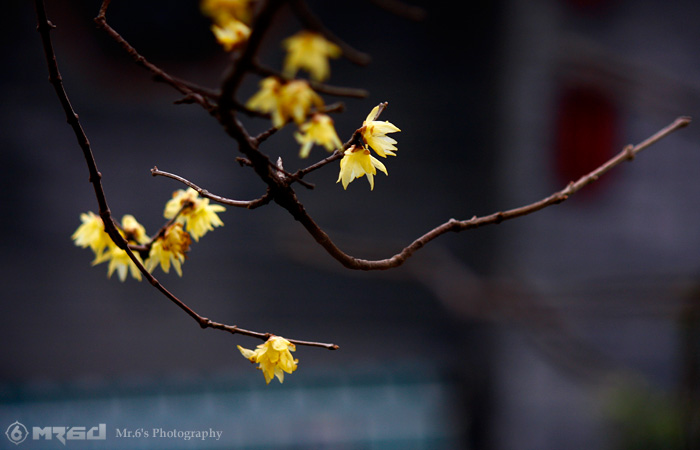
<point x="193" y="94"/>
<point x="452" y="225"/>
<point x="355" y="139"/>
<point x="248" y="204"/>
<point x="265" y="336"/>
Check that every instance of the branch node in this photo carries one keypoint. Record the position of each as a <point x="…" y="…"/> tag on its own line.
<point x="568" y="190"/>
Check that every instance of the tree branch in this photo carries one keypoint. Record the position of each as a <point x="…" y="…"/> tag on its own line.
<point x="224" y="108"/>
<point x="249" y="204"/>
<point x="44" y="26"/>
<point x="192" y="93"/>
<point x="627" y="154"/>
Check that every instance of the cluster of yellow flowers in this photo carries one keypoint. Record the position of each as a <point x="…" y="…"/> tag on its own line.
<point x="358" y="160"/>
<point x="293" y="100"/>
<point x="274" y="358"/>
<point x="191" y="217"/>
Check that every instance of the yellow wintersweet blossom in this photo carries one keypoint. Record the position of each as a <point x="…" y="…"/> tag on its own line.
<point x="296" y="99"/>
<point x="374" y="133"/>
<point x="274" y="358"/>
<point x="231" y="33"/>
<point x="221" y="11"/>
<point x="309" y="51"/>
<point x="194" y="212"/>
<point x="266" y="100"/>
<point x="169" y="248"/>
<point x="132" y="230"/>
<point x="284" y="101"/>
<point x="358" y="162"/>
<point x="319" y="130"/>
<point x="119" y="260"/>
<point x="91" y="233"/>
<point x="231" y="19"/>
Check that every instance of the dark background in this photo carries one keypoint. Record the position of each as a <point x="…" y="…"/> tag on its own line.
<point x="521" y="326"/>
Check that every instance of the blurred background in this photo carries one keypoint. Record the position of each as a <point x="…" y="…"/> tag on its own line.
<point x="577" y="327"/>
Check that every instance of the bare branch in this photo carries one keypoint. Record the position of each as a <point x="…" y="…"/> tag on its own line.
<point x="249" y="204"/>
<point x="194" y="94"/>
<point x="627" y="154"/>
<point x="224" y="107"/>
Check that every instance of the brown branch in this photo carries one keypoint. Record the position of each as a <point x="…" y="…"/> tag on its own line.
<point x="191" y="92"/>
<point x="279" y="181"/>
<point x="44" y="26"/>
<point x="338" y="154"/>
<point x="290" y="177"/>
<point x="249" y="204"/>
<point x="265" y="336"/>
<point x="355" y="139"/>
<point x="627" y="154"/>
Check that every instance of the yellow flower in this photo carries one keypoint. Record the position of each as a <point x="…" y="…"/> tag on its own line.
<point x="194" y="212"/>
<point x="358" y="162"/>
<point x="291" y="100"/>
<point x="296" y="99"/>
<point x="181" y="201"/>
<point x="274" y="358"/>
<point x="309" y="51"/>
<point x="319" y="130"/>
<point x="169" y="248"/>
<point x="91" y="233"/>
<point x="266" y="100"/>
<point x="374" y="133"/>
<point x="231" y="33"/>
<point x="132" y="230"/>
<point x="221" y="11"/>
<point x="203" y="218"/>
<point x="118" y="259"/>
